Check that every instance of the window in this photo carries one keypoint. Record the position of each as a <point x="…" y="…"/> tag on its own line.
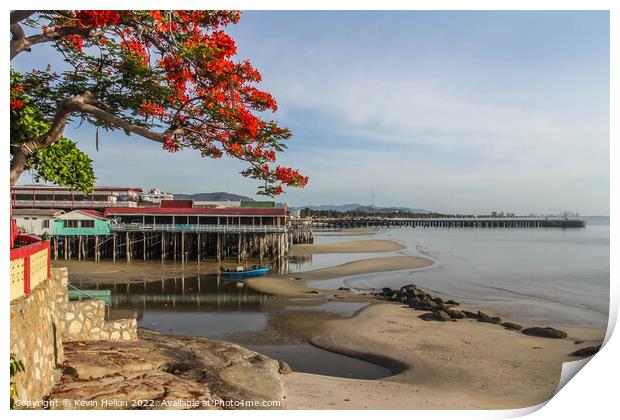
<point x="87" y="223"/>
<point x="46" y="224"/>
<point x="70" y="223"/>
<point x="26" y="218"/>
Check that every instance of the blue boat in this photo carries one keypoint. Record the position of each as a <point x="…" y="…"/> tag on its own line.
<point x="240" y="271"/>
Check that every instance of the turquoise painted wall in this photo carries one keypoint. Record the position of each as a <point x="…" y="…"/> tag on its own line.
<point x="102" y="227"/>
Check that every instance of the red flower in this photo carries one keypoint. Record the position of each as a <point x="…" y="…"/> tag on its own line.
<point x="17" y="104"/>
<point x="75" y="41"/>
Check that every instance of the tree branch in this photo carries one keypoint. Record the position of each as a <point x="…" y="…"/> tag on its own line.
<point x="20" y="43"/>
<point x="19" y="15"/>
<point x="85" y="104"/>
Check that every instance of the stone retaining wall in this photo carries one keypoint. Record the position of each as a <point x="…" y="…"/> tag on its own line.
<point x="35" y="338"/>
<point x="85" y="320"/>
<point x="43" y="320"/>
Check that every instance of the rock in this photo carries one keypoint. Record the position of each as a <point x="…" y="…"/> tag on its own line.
<point x="284" y="368"/>
<point x="586" y="351"/>
<point x="511" y="326"/>
<point x="454" y="314"/>
<point x="413" y="302"/>
<point x="482" y="317"/>
<point x="469" y="314"/>
<point x="166" y="369"/>
<point x="386" y="291"/>
<point x="441" y="316"/>
<point x="428" y="316"/>
<point x="546" y="332"/>
<point x="451" y="302"/>
<point x="438" y="301"/>
<point x="344" y="288"/>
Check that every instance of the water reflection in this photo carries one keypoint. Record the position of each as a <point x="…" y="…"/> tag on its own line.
<point x="212" y="306"/>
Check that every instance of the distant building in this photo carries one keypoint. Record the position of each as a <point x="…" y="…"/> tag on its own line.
<point x="81" y="223"/>
<point x="156" y="196"/>
<point x="216" y="204"/>
<point x="257" y="204"/>
<point x="36" y="221"/>
<point x="46" y="197"/>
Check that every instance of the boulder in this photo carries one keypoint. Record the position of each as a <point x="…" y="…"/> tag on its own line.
<point x="438" y="301"/>
<point x="482" y="317"/>
<point x="284" y="368"/>
<point x="428" y="316"/>
<point x="454" y="314"/>
<point x="441" y="316"/>
<point x="469" y="314"/>
<point x="511" y="326"/>
<point x="586" y="351"/>
<point x="452" y="302"/>
<point x="546" y="332"/>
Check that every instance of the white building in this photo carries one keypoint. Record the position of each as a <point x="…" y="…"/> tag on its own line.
<point x="156" y="196"/>
<point x="36" y="221"/>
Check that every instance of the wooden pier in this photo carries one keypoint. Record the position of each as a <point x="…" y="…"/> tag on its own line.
<point x="447" y="222"/>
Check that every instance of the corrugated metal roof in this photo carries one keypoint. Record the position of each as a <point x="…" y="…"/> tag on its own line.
<point x="93" y="213"/>
<point x="232" y="211"/>
<point x="37" y="212"/>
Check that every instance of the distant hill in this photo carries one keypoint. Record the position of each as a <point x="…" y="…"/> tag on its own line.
<point x="214" y="196"/>
<point x="325" y="207"/>
<point x="370" y="209"/>
<point x="365" y="209"/>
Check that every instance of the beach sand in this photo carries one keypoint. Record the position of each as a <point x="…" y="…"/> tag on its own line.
<point x="447" y="365"/>
<point x="295" y="285"/>
<point x="376" y="245"/>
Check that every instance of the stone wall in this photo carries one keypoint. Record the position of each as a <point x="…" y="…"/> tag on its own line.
<point x="35" y="337"/>
<point x="43" y="320"/>
<point x="85" y="320"/>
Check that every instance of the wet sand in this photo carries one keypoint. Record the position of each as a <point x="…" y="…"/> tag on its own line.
<point x="443" y="365"/>
<point x="295" y="285"/>
<point x="376" y="245"/>
<point x="346" y="232"/>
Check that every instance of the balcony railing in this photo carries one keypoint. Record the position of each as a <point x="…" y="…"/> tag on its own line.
<point x="139" y="227"/>
<point x="30" y="264"/>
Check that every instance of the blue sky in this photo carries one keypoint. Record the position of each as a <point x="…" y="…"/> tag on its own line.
<point x="448" y="111"/>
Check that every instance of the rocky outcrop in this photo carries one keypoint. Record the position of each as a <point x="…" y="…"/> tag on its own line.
<point x="511" y="326"/>
<point x="546" y="332"/>
<point x="167" y="372"/>
<point x="586" y="351"/>
<point x="438" y="309"/>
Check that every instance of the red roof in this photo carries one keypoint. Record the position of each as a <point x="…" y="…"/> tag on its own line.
<point x="92" y="212"/>
<point x="231" y="211"/>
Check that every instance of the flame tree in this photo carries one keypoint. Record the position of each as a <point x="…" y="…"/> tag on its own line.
<point x="167" y="76"/>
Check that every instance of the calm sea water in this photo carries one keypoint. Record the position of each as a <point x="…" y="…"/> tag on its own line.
<point x="530" y="275"/>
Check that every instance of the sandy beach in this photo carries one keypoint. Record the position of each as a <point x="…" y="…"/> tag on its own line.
<point x="295" y="285"/>
<point x="447" y="365"/>
<point x="377" y="245"/>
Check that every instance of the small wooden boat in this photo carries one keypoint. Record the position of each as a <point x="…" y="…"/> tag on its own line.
<point x="241" y="271"/>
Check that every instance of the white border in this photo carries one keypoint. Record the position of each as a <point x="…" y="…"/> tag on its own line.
<point x="592" y="394"/>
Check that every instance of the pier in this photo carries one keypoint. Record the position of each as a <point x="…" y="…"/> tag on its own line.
<point x="447" y="222"/>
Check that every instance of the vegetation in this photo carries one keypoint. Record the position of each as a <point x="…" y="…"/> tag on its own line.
<point x="16" y="367"/>
<point x="166" y="76"/>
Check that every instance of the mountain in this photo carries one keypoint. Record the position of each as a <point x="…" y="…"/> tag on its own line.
<point x="325" y="207"/>
<point x="363" y="208"/>
<point x="214" y="196"/>
<point x="370" y="209"/>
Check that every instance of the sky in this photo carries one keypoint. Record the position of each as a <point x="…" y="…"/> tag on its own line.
<point x="447" y="111"/>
